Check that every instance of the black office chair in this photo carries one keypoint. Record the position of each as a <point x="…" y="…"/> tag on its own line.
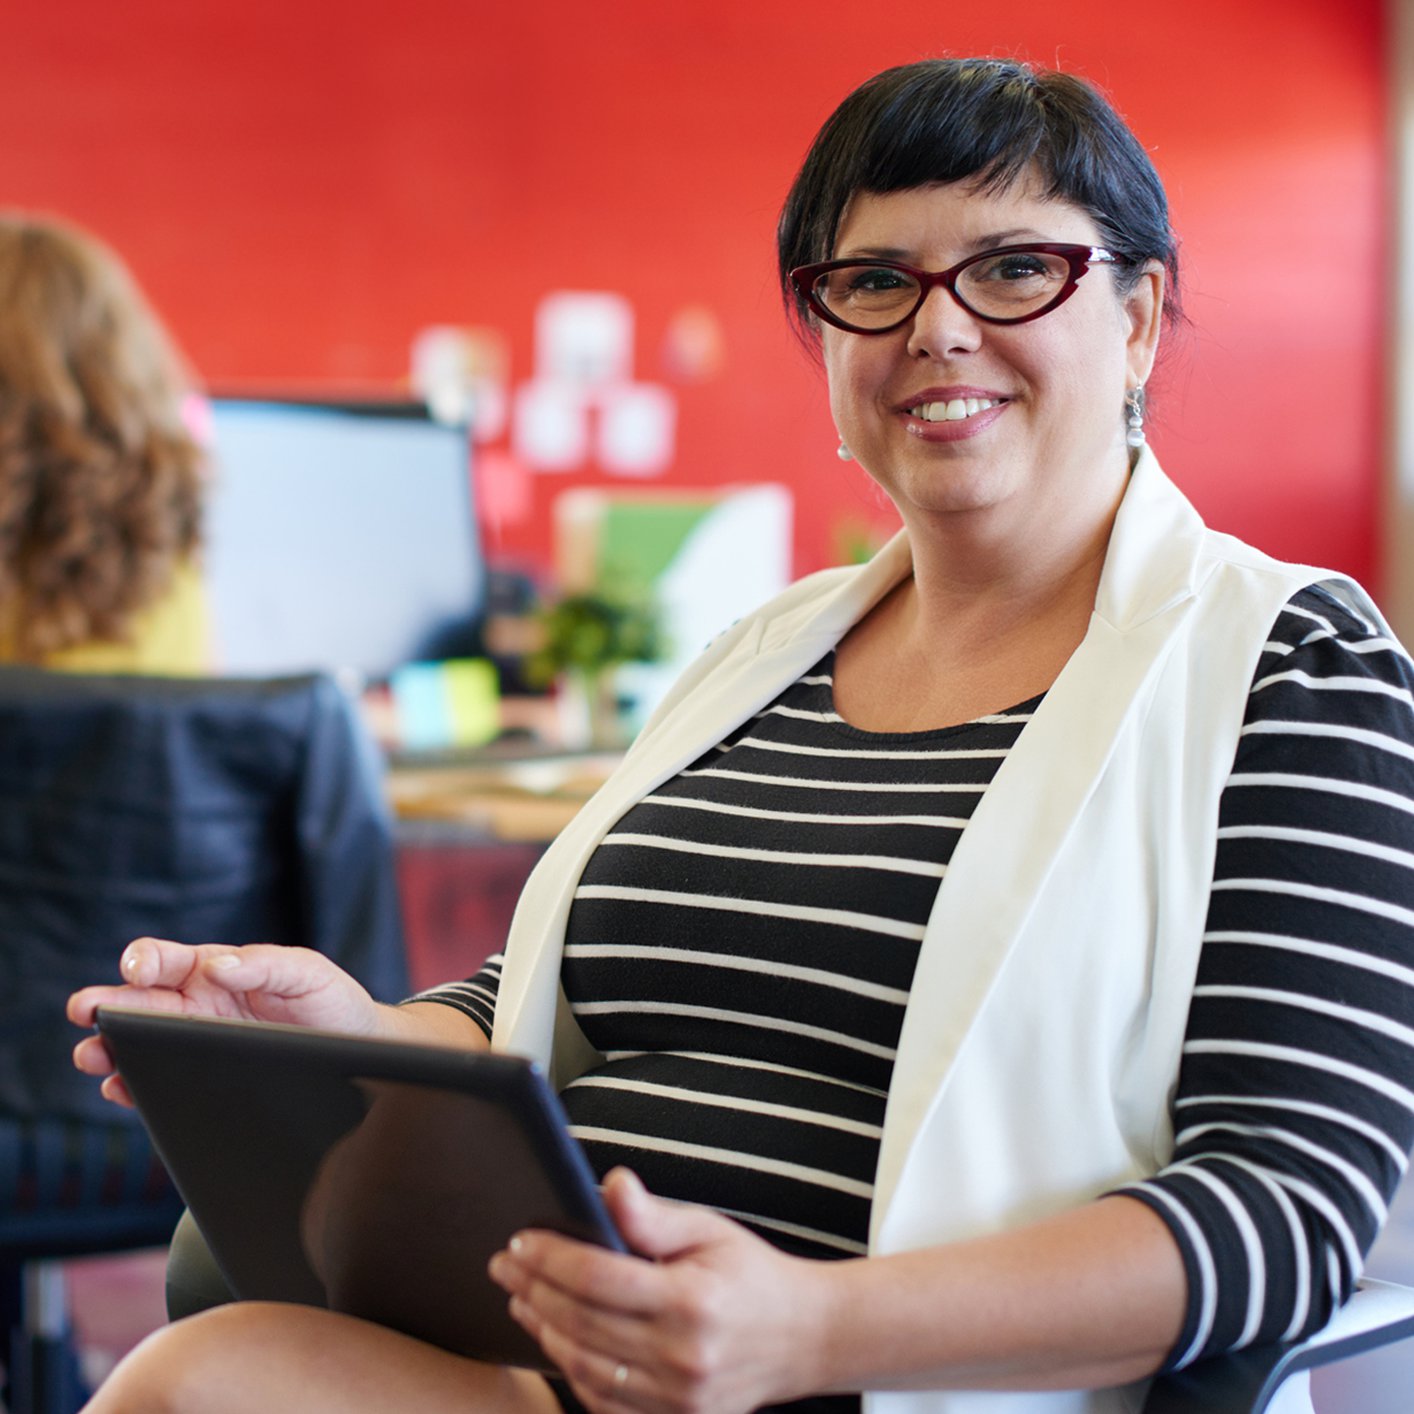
<point x="75" y="1189"/>
<point x="1251" y="1381"/>
<point x="208" y="810"/>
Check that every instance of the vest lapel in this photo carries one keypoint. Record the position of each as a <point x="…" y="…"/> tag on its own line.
<point x="1010" y="845"/>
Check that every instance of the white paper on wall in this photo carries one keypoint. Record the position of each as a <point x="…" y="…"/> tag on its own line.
<point x="550" y="425"/>
<point x="637" y="429"/>
<point x="584" y="338"/>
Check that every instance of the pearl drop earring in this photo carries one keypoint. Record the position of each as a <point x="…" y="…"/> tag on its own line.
<point x="1134" y="418"/>
<point x="844" y="453"/>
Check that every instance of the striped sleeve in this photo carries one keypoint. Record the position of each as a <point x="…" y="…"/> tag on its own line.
<point x="1294" y="1113"/>
<point x="476" y="997"/>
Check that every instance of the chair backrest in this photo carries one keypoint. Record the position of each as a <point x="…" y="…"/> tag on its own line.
<point x="208" y="810"/>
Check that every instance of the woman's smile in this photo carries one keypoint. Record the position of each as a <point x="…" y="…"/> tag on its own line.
<point x="950" y="414"/>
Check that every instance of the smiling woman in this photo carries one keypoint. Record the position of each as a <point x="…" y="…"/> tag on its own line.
<point x="955" y="945"/>
<point x="1012" y="187"/>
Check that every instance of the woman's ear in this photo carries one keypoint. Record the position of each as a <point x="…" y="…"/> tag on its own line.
<point x="1144" y="317"/>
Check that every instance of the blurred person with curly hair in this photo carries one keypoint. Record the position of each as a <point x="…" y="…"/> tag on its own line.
<point x="101" y="479"/>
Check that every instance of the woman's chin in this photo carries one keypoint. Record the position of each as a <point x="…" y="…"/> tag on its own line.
<point x="941" y="489"/>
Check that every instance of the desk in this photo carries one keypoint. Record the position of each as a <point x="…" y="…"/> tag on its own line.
<point x="526" y="799"/>
<point x="469" y="831"/>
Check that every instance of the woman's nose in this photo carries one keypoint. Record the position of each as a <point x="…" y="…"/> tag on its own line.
<point x="941" y="326"/>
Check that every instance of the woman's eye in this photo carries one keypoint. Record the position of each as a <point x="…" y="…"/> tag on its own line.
<point x="877" y="281"/>
<point x="1016" y="267"/>
<point x="1019" y="266"/>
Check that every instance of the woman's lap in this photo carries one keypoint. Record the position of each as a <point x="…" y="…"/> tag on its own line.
<point x="259" y="1356"/>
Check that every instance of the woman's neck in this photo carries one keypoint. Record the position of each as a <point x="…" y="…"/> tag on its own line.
<point x="985" y="621"/>
<point x="983" y="570"/>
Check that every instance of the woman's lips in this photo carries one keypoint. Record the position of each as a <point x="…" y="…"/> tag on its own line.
<point x="946" y="419"/>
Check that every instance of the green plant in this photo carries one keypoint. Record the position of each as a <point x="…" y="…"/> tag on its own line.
<point x="590" y="632"/>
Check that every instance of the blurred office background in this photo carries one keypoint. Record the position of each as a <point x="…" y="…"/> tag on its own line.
<point x="304" y="189"/>
<point x="310" y="193"/>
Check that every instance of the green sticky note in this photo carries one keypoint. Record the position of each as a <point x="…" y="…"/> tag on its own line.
<point x="473" y="695"/>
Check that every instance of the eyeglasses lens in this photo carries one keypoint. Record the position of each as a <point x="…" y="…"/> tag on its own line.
<point x="868" y="296"/>
<point x="1009" y="285"/>
<point x="1014" y="284"/>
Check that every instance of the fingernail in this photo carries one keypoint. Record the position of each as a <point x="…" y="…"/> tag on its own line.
<point x="225" y="961"/>
<point x="130" y="963"/>
<point x="516" y="1245"/>
<point x="622" y="1175"/>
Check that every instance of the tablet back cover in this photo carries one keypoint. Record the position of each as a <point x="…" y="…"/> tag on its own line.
<point x="376" y="1179"/>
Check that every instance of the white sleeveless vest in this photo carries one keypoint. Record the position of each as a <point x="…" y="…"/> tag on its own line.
<point x="1041" y="1042"/>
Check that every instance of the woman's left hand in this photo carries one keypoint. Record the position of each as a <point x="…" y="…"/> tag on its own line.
<point x="719" y="1322"/>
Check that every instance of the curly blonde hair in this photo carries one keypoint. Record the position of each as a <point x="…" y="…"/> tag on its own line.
<point x="101" y="485"/>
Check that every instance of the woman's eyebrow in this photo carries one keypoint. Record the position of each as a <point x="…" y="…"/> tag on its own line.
<point x="876" y="252"/>
<point x="991" y="241"/>
<point x="1013" y="237"/>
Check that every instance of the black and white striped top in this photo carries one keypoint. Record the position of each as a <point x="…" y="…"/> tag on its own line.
<point x="742" y="944"/>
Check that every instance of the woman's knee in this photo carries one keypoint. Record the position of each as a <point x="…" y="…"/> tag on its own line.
<point x="186" y="1367"/>
<point x="253" y="1357"/>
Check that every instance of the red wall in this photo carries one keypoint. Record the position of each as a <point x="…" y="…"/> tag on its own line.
<point x="301" y="188"/>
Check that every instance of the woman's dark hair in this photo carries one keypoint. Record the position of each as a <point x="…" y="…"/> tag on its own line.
<point x="101" y="484"/>
<point x="985" y="121"/>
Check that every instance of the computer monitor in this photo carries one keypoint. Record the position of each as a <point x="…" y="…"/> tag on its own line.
<point x="340" y="535"/>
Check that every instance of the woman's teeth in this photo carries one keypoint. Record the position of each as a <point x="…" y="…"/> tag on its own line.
<point x="953" y="411"/>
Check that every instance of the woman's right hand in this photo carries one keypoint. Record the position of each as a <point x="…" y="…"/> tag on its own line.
<point x="260" y="982"/>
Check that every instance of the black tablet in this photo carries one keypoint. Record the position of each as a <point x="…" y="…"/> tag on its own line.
<point x="370" y="1177"/>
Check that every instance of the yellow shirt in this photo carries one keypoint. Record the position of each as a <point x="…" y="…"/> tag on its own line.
<point x="169" y="638"/>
